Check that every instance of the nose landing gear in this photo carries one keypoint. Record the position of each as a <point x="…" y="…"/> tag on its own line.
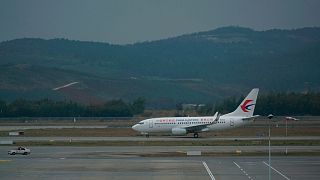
<point x="195" y="135"/>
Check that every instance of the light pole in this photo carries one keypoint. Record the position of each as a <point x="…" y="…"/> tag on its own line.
<point x="270" y="116"/>
<point x="293" y="119"/>
<point x="286" y="136"/>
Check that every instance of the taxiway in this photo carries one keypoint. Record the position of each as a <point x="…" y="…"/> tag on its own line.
<point x="112" y="163"/>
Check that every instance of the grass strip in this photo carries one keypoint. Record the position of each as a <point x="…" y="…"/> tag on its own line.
<point x="170" y="143"/>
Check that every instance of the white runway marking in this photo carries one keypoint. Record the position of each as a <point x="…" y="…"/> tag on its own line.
<point x="208" y="170"/>
<point x="244" y="172"/>
<point x="276" y="170"/>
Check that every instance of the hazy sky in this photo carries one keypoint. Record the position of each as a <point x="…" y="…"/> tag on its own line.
<point x="128" y="21"/>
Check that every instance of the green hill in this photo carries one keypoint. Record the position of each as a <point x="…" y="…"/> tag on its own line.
<point x="198" y="68"/>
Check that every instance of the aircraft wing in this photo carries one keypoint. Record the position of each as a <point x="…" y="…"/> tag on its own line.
<point x="202" y="127"/>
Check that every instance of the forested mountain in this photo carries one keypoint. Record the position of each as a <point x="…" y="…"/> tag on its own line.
<point x="198" y="68"/>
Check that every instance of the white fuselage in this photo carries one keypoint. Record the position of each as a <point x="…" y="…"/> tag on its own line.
<point x="166" y="124"/>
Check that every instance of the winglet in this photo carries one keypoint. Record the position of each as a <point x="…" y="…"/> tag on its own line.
<point x="217" y="115"/>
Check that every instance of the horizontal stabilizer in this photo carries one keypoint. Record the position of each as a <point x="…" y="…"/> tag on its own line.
<point x="252" y="117"/>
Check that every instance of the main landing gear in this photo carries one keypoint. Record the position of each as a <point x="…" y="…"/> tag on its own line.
<point x="195" y="135"/>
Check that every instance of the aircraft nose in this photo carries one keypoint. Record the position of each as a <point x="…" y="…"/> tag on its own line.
<point x="135" y="127"/>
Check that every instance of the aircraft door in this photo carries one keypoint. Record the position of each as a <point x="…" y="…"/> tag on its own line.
<point x="231" y="123"/>
<point x="151" y="124"/>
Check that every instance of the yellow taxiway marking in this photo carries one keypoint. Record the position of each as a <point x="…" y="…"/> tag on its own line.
<point x="3" y="161"/>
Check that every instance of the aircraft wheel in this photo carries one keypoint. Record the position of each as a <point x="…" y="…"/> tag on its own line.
<point x="147" y="135"/>
<point x="195" y="135"/>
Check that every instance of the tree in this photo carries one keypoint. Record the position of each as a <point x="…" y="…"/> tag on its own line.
<point x="137" y="107"/>
<point x="3" y="108"/>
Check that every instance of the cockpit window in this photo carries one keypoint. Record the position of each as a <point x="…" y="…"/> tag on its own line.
<point x="141" y="122"/>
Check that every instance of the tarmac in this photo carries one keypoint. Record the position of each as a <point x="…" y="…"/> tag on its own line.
<point x="118" y="163"/>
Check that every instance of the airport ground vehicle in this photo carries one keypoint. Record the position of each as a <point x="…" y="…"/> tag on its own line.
<point x="19" y="150"/>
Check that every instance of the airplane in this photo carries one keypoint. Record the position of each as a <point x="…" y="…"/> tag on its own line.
<point x="183" y="125"/>
<point x="291" y="118"/>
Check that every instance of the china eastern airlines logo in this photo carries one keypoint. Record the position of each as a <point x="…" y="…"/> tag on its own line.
<point x="246" y="106"/>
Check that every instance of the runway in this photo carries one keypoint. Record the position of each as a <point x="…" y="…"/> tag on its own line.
<point x="111" y="150"/>
<point x="108" y="163"/>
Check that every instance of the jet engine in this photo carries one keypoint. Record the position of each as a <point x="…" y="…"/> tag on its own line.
<point x="179" y="131"/>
